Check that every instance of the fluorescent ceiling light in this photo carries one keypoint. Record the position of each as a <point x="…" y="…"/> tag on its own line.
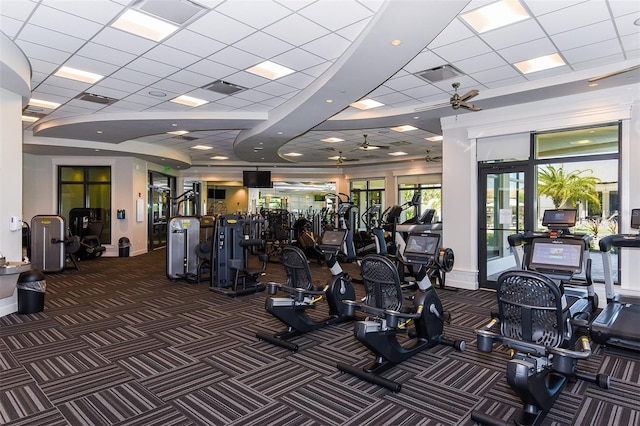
<point x="43" y="104"/>
<point x="202" y="147"/>
<point x="366" y="104"/>
<point x="144" y="25"/>
<point x="30" y="119"/>
<point x="293" y="154"/>
<point x="332" y="140"/>
<point x="581" y="142"/>
<point x="179" y="132"/>
<point x="404" y="128"/>
<point x="495" y="15"/>
<point x="189" y="101"/>
<point x="540" y="64"/>
<point x="335" y="157"/>
<point x="219" y="157"/>
<point x="270" y="70"/>
<point x="434" y="138"/>
<point x="397" y="153"/>
<point x="79" y="75"/>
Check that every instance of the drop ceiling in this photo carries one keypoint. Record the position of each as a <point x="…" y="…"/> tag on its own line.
<point x="340" y="51"/>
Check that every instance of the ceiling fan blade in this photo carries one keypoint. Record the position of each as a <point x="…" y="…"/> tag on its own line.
<point x="612" y="74"/>
<point x="469" y="106"/>
<point x="470" y="94"/>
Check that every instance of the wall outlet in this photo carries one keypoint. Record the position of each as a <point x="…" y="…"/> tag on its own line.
<point x="15" y="223"/>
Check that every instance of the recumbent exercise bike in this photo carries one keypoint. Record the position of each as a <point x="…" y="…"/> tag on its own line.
<point x="389" y="316"/>
<point x="292" y="311"/>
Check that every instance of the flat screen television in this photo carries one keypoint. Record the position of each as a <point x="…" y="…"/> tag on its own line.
<point x="560" y="254"/>
<point x="256" y="179"/>
<point x="559" y="218"/>
<point x="216" y="194"/>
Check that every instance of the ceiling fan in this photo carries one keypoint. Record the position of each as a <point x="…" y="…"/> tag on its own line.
<point x="432" y="158"/>
<point x="366" y="146"/>
<point x="460" y="101"/>
<point x="342" y="159"/>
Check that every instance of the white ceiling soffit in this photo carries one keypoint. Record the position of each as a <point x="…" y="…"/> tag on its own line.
<point x="367" y="64"/>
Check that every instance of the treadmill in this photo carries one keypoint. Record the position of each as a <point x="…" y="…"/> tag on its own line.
<point x="617" y="324"/>
<point x="580" y="293"/>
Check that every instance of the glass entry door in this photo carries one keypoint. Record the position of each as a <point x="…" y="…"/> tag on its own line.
<point x="502" y="191"/>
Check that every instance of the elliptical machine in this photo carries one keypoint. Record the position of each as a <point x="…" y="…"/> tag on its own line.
<point x="304" y="295"/>
<point x="390" y="316"/>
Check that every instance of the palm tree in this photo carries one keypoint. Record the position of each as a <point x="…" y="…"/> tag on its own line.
<point x="567" y="189"/>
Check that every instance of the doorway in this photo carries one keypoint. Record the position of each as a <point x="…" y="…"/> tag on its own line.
<point x="502" y="192"/>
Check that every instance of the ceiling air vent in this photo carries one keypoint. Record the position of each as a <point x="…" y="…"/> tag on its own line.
<point x="440" y="73"/>
<point x="224" y="87"/>
<point x="185" y="138"/>
<point x="177" y="11"/>
<point x="96" y="99"/>
<point x="400" y="143"/>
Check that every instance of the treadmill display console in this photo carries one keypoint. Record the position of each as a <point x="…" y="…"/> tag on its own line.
<point x="559" y="218"/>
<point x="556" y="255"/>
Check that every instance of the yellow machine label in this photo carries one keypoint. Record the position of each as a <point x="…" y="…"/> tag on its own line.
<point x="232" y="221"/>
<point x="45" y="222"/>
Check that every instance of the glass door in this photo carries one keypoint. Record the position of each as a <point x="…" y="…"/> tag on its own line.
<point x="502" y="191"/>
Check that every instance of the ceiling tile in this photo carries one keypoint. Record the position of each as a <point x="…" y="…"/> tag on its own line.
<point x="50" y="38"/>
<point x="590" y="12"/>
<point x="97" y="11"/>
<point x="514" y="34"/>
<point x="220" y="27"/>
<point x="298" y="59"/>
<point x="350" y="12"/>
<point x="329" y="47"/>
<point x="171" y="56"/>
<point x="264" y="45"/>
<point x="65" y="23"/>
<point x="593" y="51"/>
<point x="212" y="69"/>
<point x="48" y="55"/>
<point x="256" y="13"/>
<point x="584" y="36"/>
<point x="529" y="50"/>
<point x="105" y="54"/>
<point x="236" y="58"/>
<point x="462" y="49"/>
<point x="151" y="67"/>
<point x="194" y="43"/>
<point x="124" y="40"/>
<point x="282" y="30"/>
<point x="479" y="63"/>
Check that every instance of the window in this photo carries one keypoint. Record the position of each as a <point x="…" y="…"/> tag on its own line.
<point x="86" y="187"/>
<point x="430" y="187"/>
<point x="366" y="193"/>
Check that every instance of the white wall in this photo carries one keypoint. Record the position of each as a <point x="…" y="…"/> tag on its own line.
<point x="15" y="90"/>
<point x="460" y="172"/>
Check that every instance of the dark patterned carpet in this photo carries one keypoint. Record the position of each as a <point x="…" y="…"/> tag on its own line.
<point x="120" y="344"/>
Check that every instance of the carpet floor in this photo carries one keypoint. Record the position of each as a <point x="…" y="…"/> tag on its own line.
<point x="118" y="343"/>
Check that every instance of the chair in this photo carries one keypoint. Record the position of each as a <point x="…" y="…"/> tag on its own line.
<point x="535" y="325"/>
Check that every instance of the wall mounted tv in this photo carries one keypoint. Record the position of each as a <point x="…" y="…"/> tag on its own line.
<point x="256" y="179"/>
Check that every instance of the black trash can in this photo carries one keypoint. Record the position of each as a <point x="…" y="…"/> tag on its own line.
<point x="31" y="289"/>
<point x="123" y="247"/>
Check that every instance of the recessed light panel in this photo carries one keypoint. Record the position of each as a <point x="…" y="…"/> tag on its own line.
<point x="78" y="75"/>
<point x="332" y="140"/>
<point x="189" y="101"/>
<point x="293" y="154"/>
<point x="366" y="104"/>
<point x="540" y="64"/>
<point x="43" y="104"/>
<point x="495" y="15"/>
<point x="434" y="138"/>
<point x="179" y="132"/>
<point x="405" y="128"/>
<point x="270" y="70"/>
<point x="219" y="157"/>
<point x="30" y="119"/>
<point x="397" y="153"/>
<point x="144" y="25"/>
<point x="202" y="147"/>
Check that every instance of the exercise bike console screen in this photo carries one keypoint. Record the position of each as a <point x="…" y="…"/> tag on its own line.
<point x="635" y="218"/>
<point x="556" y="256"/>
<point x="333" y="239"/>
<point x="559" y="218"/>
<point x="421" y="247"/>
